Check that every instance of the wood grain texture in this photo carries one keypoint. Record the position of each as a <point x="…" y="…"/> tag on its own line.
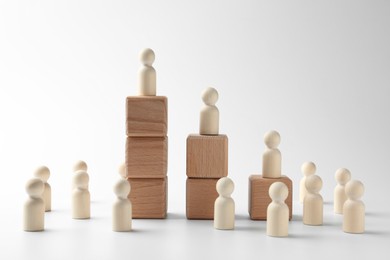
<point x="146" y="157"/>
<point x="149" y="197"/>
<point x="259" y="198"/>
<point x="200" y="198"/>
<point x="207" y="156"/>
<point x="146" y="116"/>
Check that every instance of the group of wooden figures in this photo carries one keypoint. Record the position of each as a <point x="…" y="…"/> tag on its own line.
<point x="142" y="189"/>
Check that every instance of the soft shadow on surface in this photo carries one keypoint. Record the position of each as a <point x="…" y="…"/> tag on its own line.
<point x="176" y="216"/>
<point x="301" y="236"/>
<point x="242" y="217"/>
<point x="378" y="214"/>
<point x="248" y="229"/>
<point x="297" y="218"/>
<point x="328" y="203"/>
<point x="376" y="233"/>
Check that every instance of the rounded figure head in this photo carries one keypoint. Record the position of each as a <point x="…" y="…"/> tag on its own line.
<point x="122" y="170"/>
<point x="35" y="187"/>
<point x="225" y="187"/>
<point x="313" y="183"/>
<point x="354" y="189"/>
<point x="80" y="166"/>
<point x="42" y="173"/>
<point x="308" y="168"/>
<point x="81" y="179"/>
<point x="210" y="96"/>
<point x="122" y="189"/>
<point x="147" y="57"/>
<point x="342" y="176"/>
<point x="272" y="139"/>
<point x="278" y="191"/>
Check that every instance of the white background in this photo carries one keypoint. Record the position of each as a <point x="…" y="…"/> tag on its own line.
<point x="316" y="71"/>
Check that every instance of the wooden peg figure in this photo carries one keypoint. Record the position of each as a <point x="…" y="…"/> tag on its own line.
<point x="34" y="208"/>
<point x="224" y="207"/>
<point x="43" y="173"/>
<point x="272" y="158"/>
<point x="209" y="115"/>
<point x="313" y="202"/>
<point x="354" y="208"/>
<point x="80" y="166"/>
<point x="122" y="170"/>
<point x="342" y="176"/>
<point x="81" y="202"/>
<point x="277" y="211"/>
<point x="147" y="74"/>
<point x="122" y="209"/>
<point x="307" y="168"/>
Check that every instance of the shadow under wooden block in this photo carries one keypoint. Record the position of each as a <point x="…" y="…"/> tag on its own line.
<point x="207" y="156"/>
<point x="149" y="197"/>
<point x="146" y="116"/>
<point x="200" y="198"/>
<point x="259" y="198"/>
<point x="146" y="157"/>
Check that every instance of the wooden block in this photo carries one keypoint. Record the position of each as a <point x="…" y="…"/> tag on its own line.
<point x="146" y="116"/>
<point x="259" y="198"/>
<point x="207" y="156"/>
<point x="146" y="157"/>
<point x="149" y="197"/>
<point x="200" y="198"/>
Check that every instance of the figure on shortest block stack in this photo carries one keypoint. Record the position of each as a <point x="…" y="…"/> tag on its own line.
<point x="259" y="185"/>
<point x="207" y="160"/>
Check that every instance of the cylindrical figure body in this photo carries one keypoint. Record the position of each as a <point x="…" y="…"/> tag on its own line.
<point x="34" y="214"/>
<point x="313" y="209"/>
<point x="272" y="163"/>
<point x="81" y="204"/>
<point x="209" y="121"/>
<point x="224" y="211"/>
<point x="277" y="219"/>
<point x="47" y="197"/>
<point x="121" y="215"/>
<point x="147" y="81"/>
<point x="339" y="198"/>
<point x="354" y="216"/>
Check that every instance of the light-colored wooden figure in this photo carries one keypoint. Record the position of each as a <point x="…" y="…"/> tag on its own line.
<point x="307" y="168"/>
<point x="122" y="170"/>
<point x="272" y="158"/>
<point x="81" y="201"/>
<point x="313" y="202"/>
<point x="342" y="176"/>
<point x="354" y="208"/>
<point x="224" y="208"/>
<point x="209" y="115"/>
<point x="147" y="74"/>
<point x="34" y="208"/>
<point x="278" y="211"/>
<point x="43" y="173"/>
<point x="122" y="210"/>
<point x="79" y="166"/>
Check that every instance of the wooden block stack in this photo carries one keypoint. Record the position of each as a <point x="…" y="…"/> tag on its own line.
<point x="207" y="162"/>
<point x="259" y="184"/>
<point x="147" y="147"/>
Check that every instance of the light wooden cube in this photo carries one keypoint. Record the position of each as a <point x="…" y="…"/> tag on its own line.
<point x="259" y="198"/>
<point x="149" y="197"/>
<point x="200" y="198"/>
<point x="146" y="116"/>
<point x="207" y="156"/>
<point x="146" y="157"/>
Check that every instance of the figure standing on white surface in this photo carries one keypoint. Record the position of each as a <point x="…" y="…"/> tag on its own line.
<point x="34" y="207"/>
<point x="147" y="74"/>
<point x="81" y="201"/>
<point x="342" y="176"/>
<point x="122" y="170"/>
<point x="224" y="207"/>
<point x="209" y="115"/>
<point x="354" y="208"/>
<point x="272" y="158"/>
<point x="79" y="166"/>
<point x="43" y="173"/>
<point x="307" y="168"/>
<point x="277" y="211"/>
<point x="313" y="203"/>
<point x="122" y="209"/>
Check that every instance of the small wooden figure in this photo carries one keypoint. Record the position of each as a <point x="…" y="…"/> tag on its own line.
<point x="272" y="158"/>
<point x="43" y="173"/>
<point x="209" y="115"/>
<point x="313" y="202"/>
<point x="342" y="176"/>
<point x="34" y="208"/>
<point x="307" y="168"/>
<point x="224" y="208"/>
<point x="122" y="170"/>
<point x="278" y="211"/>
<point x="81" y="202"/>
<point x="122" y="210"/>
<point x="147" y="74"/>
<point x="354" y="208"/>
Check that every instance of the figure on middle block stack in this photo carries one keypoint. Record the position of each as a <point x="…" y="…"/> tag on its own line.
<point x="207" y="160"/>
<point x="259" y="185"/>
